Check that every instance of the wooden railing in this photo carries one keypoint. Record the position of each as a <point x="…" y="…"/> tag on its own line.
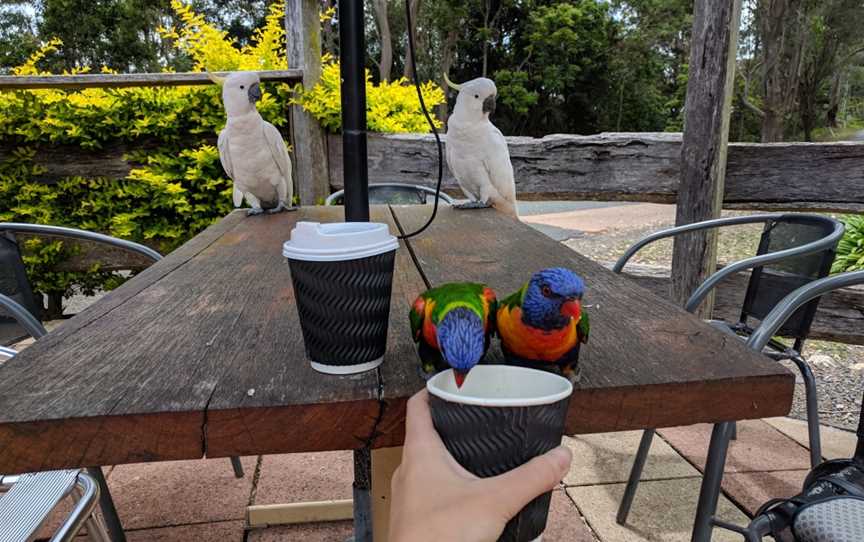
<point x="640" y="167"/>
<point x="122" y="80"/>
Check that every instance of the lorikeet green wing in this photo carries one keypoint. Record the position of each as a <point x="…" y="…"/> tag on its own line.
<point x="434" y="304"/>
<point x="583" y="327"/>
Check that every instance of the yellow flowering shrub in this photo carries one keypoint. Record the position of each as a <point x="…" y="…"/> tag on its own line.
<point x="177" y="186"/>
<point x="390" y="107"/>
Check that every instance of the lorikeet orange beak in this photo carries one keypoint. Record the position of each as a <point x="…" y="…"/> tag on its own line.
<point x="460" y="377"/>
<point x="572" y="308"/>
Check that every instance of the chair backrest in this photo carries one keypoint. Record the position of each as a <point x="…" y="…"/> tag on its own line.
<point x="14" y="283"/>
<point x="393" y="193"/>
<point x="771" y="283"/>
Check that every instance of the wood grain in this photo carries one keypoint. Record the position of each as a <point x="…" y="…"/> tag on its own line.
<point x="605" y="167"/>
<point x="303" y="25"/>
<point x="639" y="167"/>
<point x="708" y="105"/>
<point x="164" y="367"/>
<point x="293" y="407"/>
<point x="648" y="364"/>
<point x="121" y="80"/>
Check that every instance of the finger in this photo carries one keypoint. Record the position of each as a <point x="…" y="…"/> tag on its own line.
<point x="516" y="488"/>
<point x="419" y="431"/>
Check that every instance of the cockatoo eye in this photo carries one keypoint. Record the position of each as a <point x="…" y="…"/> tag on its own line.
<point x="242" y="87"/>
<point x="546" y="291"/>
<point x="477" y="96"/>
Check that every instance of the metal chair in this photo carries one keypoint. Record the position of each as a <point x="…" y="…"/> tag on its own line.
<point x="822" y="524"/>
<point x="395" y="193"/>
<point x="794" y="249"/>
<point x="19" y="303"/>
<point x="29" y="499"/>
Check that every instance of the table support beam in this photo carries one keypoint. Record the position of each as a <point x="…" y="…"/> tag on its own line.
<point x="266" y="515"/>
<point x="384" y="464"/>
<point x="362" y="495"/>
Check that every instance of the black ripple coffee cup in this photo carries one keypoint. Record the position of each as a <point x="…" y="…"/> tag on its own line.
<point x="342" y="275"/>
<point x="502" y="417"/>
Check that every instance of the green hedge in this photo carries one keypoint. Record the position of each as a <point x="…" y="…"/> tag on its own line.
<point x="177" y="187"/>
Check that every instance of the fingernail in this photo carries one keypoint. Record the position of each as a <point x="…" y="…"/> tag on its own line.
<point x="562" y="457"/>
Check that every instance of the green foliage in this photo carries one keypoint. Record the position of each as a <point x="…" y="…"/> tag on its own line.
<point x="176" y="187"/>
<point x="850" y="251"/>
<point x="390" y="107"/>
<point x="557" y="78"/>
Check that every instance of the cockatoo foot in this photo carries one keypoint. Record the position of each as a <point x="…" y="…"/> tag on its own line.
<point x="278" y="209"/>
<point x="254" y="211"/>
<point x="472" y="205"/>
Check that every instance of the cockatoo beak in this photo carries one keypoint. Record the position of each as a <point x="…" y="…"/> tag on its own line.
<point x="460" y="377"/>
<point x="254" y="92"/>
<point x="451" y="84"/>
<point x="572" y="308"/>
<point x="489" y="104"/>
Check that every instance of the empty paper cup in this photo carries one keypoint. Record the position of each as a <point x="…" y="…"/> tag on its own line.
<point x="502" y="417"/>
<point x="342" y="275"/>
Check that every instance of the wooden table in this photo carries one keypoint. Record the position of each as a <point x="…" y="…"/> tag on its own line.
<point x="201" y="354"/>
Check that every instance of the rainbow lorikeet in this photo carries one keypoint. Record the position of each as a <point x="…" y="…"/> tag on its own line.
<point x="542" y="325"/>
<point x="452" y="325"/>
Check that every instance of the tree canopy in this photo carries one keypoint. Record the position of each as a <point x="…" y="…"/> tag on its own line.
<point x="576" y="66"/>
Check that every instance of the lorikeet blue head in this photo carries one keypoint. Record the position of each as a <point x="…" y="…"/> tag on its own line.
<point x="553" y="296"/>
<point x="461" y="338"/>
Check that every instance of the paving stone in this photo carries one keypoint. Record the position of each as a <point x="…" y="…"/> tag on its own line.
<point x="223" y="531"/>
<point x="836" y="443"/>
<point x="335" y="531"/>
<point x="760" y="447"/>
<point x="753" y="489"/>
<point x="565" y="524"/>
<point x="662" y="511"/>
<point x="290" y="478"/>
<point x="607" y="457"/>
<point x="180" y="492"/>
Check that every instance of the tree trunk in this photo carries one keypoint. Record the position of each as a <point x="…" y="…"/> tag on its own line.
<point x="386" y="63"/>
<point x="782" y="38"/>
<point x="772" y="126"/>
<point x="414" y="8"/>
<point x="448" y="55"/>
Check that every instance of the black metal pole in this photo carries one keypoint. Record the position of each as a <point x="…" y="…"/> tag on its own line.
<point x="352" y="56"/>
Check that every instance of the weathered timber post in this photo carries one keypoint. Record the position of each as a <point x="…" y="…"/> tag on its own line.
<point x="303" y="33"/>
<point x="706" y="135"/>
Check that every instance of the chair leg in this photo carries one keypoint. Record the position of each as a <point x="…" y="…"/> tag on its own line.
<point x="635" y="475"/>
<point x="709" y="494"/>
<point x="96" y="531"/>
<point x="237" y="466"/>
<point x="812" y="411"/>
<point x="106" y="504"/>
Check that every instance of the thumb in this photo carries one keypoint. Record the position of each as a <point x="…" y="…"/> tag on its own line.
<point x="516" y="488"/>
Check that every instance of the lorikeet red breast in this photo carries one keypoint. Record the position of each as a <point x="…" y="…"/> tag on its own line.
<point x="543" y="324"/>
<point x="452" y="325"/>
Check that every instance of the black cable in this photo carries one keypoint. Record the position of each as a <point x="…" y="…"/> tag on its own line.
<point x="428" y="119"/>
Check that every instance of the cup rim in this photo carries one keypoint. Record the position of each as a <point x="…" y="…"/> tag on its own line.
<point x="433" y="385"/>
<point x="338" y="241"/>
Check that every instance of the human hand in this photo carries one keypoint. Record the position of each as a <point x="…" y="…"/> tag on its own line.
<point x="435" y="498"/>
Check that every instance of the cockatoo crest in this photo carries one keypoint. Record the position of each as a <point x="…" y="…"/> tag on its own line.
<point x="240" y="91"/>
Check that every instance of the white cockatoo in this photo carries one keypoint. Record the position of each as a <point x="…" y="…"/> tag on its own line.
<point x="477" y="152"/>
<point x="251" y="149"/>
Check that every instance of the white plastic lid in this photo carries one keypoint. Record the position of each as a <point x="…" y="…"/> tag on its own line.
<point x="313" y="241"/>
